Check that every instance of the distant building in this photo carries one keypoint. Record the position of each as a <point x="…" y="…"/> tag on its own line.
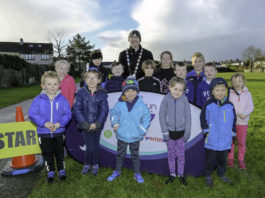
<point x="35" y="53"/>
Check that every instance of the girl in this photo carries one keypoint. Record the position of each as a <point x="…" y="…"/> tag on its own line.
<point x="242" y="100"/>
<point x="166" y="72"/>
<point x="91" y="110"/>
<point x="175" y="122"/>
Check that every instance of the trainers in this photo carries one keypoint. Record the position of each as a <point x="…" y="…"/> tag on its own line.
<point x="183" y="180"/>
<point x="230" y="163"/>
<point x="209" y="181"/>
<point x="242" y="165"/>
<point x="113" y="176"/>
<point x="50" y="177"/>
<point x="85" y="169"/>
<point x="170" y="179"/>
<point x="62" y="175"/>
<point x="226" y="180"/>
<point x="94" y="169"/>
<point x="138" y="178"/>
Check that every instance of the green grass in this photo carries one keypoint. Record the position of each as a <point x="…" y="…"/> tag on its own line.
<point x="15" y="95"/>
<point x="249" y="183"/>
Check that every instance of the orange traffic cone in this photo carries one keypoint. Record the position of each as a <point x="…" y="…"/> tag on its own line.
<point x="26" y="160"/>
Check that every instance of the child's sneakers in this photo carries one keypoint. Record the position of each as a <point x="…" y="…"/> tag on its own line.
<point x="138" y="178"/>
<point x="94" y="169"/>
<point x="209" y="181"/>
<point x="114" y="175"/>
<point x="62" y="175"/>
<point x="170" y="179"/>
<point x="183" y="180"/>
<point x="226" y="180"/>
<point x="85" y="169"/>
<point x="242" y="165"/>
<point x="50" y="177"/>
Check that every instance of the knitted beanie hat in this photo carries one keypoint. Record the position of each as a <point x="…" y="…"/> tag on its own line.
<point x="130" y="83"/>
<point x="96" y="54"/>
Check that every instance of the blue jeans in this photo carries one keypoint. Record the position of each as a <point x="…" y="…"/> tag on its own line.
<point x="92" y="147"/>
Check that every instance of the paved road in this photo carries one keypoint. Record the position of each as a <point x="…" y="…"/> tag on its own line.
<point x="20" y="185"/>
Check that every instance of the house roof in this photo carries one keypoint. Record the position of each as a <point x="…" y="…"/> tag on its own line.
<point x="26" y="48"/>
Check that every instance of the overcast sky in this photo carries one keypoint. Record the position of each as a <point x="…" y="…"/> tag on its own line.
<point x="220" y="29"/>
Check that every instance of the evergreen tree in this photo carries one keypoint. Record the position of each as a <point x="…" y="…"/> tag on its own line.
<point x="78" y="53"/>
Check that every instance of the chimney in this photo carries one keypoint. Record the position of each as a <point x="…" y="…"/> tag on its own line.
<point x="21" y="41"/>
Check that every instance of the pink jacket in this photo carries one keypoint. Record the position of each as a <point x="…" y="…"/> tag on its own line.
<point x="68" y="89"/>
<point x="243" y="104"/>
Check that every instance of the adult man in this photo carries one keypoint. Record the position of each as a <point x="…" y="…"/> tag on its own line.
<point x="133" y="57"/>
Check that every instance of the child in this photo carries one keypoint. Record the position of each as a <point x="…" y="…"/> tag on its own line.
<point x="114" y="83"/>
<point x="197" y="75"/>
<point x="130" y="119"/>
<point x="149" y="82"/>
<point x="175" y="122"/>
<point x="91" y="110"/>
<point x="202" y="92"/>
<point x="218" y="122"/>
<point x="242" y="100"/>
<point x="96" y="62"/>
<point x="51" y="112"/>
<point x="181" y="71"/>
<point x="166" y="72"/>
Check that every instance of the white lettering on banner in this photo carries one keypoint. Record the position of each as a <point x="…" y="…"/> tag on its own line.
<point x="152" y="143"/>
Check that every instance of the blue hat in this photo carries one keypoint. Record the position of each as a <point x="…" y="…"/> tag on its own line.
<point x="130" y="83"/>
<point x="217" y="81"/>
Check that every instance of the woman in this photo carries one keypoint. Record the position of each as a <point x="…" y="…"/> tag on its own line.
<point x="67" y="87"/>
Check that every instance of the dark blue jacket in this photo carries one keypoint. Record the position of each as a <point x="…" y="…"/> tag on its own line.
<point x="203" y="93"/>
<point x="114" y="84"/>
<point x="90" y="108"/>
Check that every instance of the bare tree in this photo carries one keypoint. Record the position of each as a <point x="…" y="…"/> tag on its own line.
<point x="57" y="37"/>
<point x="250" y="54"/>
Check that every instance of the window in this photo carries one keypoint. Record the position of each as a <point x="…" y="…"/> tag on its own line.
<point x="30" y="56"/>
<point x="45" y="57"/>
<point x="39" y="45"/>
<point x="30" y="45"/>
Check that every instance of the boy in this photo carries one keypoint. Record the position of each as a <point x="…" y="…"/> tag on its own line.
<point x="114" y="83"/>
<point x="196" y="75"/>
<point x="130" y="119"/>
<point x="96" y="58"/>
<point x="218" y="122"/>
<point x="149" y="82"/>
<point x="202" y="91"/>
<point x="181" y="70"/>
<point x="51" y="112"/>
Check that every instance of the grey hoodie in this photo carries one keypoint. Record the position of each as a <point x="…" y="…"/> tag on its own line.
<point x="175" y="115"/>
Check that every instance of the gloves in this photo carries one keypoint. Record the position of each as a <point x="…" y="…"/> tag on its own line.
<point x="234" y="139"/>
<point x="205" y="134"/>
<point x="85" y="125"/>
<point x="166" y="136"/>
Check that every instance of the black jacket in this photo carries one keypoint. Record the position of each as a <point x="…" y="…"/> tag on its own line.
<point x="150" y="84"/>
<point x="133" y="56"/>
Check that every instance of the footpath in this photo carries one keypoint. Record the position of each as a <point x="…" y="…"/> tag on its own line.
<point x="19" y="185"/>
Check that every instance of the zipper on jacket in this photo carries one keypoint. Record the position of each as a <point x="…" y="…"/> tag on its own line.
<point x="208" y="133"/>
<point x="224" y="115"/>
<point x="51" y="101"/>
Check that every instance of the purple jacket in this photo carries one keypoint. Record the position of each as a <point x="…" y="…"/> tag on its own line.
<point x="44" y="110"/>
<point x="202" y="93"/>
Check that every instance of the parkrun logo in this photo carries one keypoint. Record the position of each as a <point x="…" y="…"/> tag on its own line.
<point x="107" y="134"/>
<point x="154" y="139"/>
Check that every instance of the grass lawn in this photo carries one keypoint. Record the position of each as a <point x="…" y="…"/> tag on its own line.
<point x="249" y="183"/>
<point x="16" y="95"/>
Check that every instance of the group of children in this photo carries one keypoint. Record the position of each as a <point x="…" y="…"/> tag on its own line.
<point x="225" y="114"/>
